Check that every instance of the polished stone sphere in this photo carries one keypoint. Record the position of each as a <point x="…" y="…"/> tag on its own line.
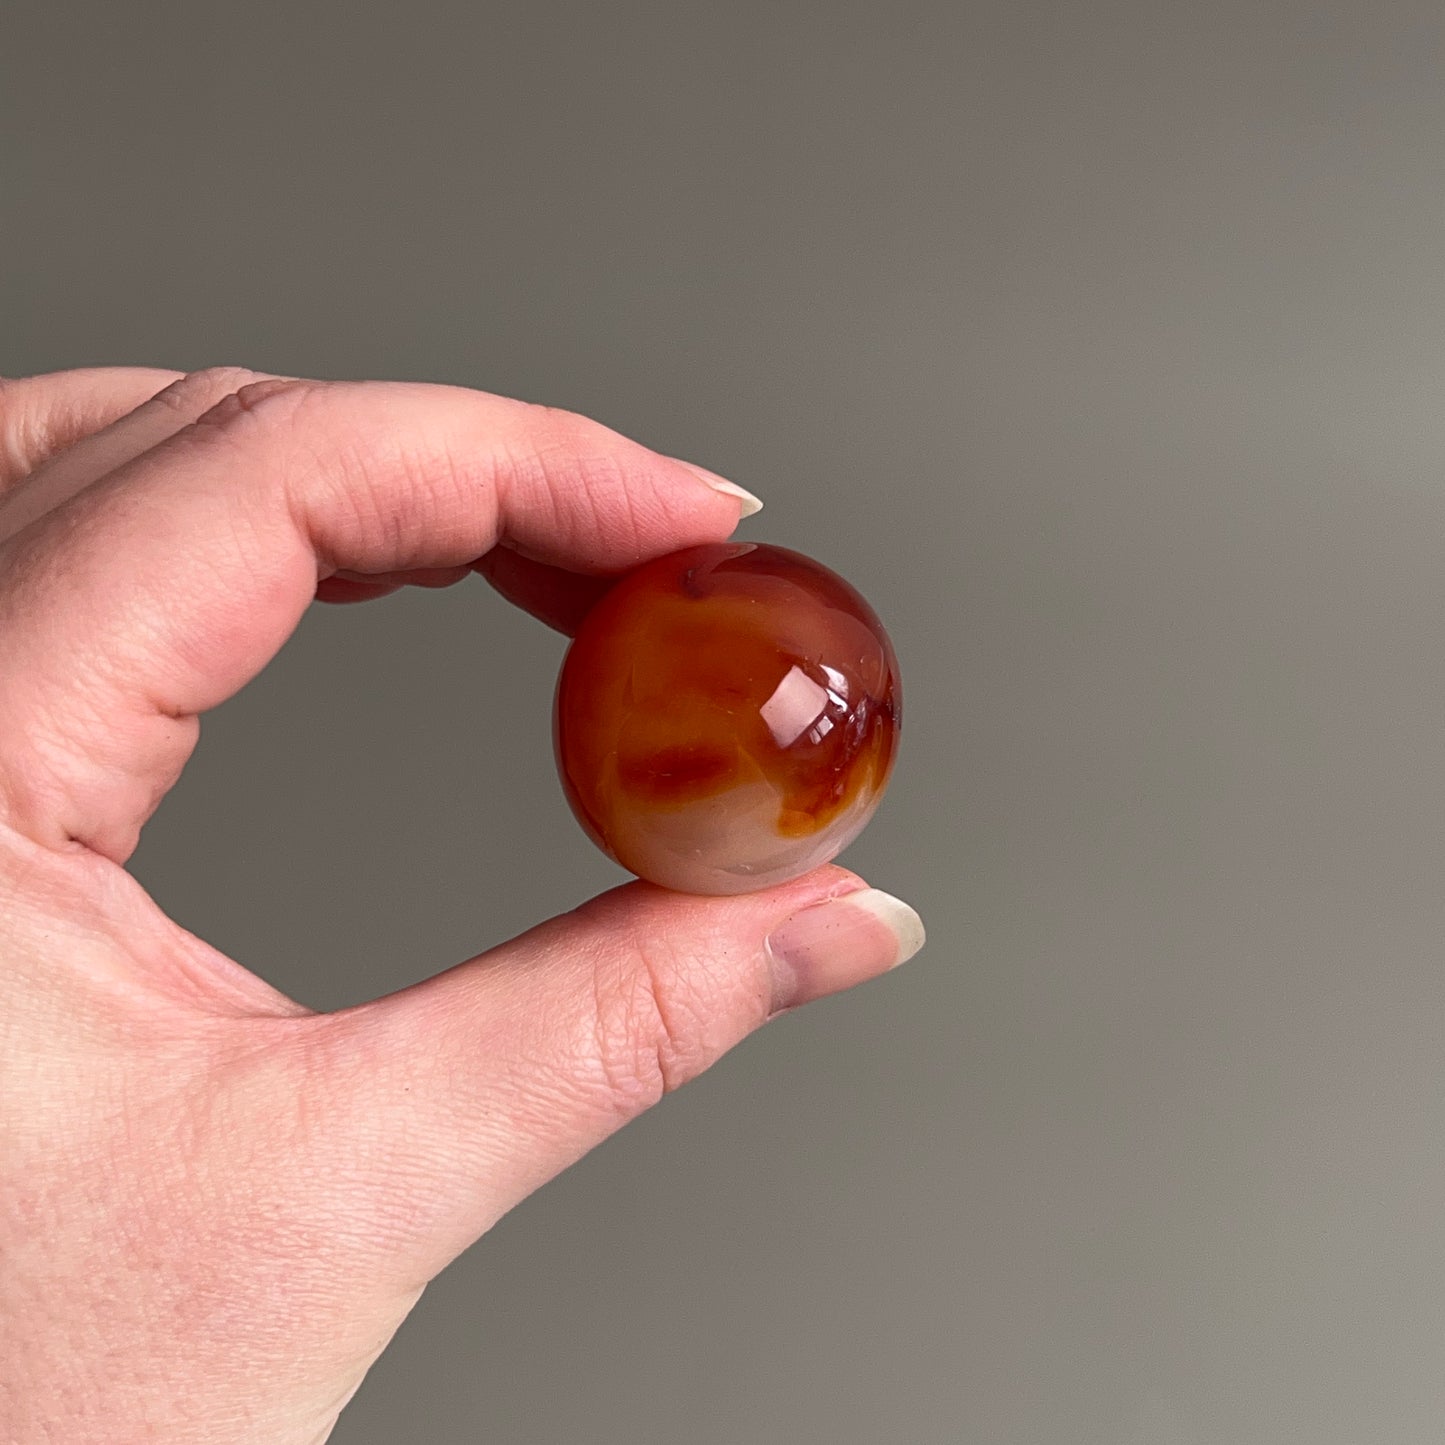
<point x="727" y="717"/>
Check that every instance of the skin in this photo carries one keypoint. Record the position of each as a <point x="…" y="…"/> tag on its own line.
<point x="216" y="1206"/>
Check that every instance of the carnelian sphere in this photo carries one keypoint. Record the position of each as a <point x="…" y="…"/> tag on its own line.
<point x="727" y="717"/>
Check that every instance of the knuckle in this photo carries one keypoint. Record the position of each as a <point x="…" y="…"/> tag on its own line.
<point x="198" y="391"/>
<point x="281" y="397"/>
<point x="585" y="491"/>
<point x="651" y="1034"/>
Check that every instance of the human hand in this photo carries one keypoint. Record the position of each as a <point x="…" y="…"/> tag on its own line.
<point x="216" y="1206"/>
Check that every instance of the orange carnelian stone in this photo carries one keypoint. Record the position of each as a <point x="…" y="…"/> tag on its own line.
<point x="727" y="717"/>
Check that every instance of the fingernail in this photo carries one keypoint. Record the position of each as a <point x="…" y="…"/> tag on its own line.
<point x="749" y="503"/>
<point x="833" y="945"/>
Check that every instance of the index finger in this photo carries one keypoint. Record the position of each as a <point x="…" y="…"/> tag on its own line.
<point x="165" y="587"/>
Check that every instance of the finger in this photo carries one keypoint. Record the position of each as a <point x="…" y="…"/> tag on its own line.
<point x="465" y="1093"/>
<point x="133" y="423"/>
<point x="44" y="414"/>
<point x="562" y="598"/>
<point x="553" y="595"/>
<point x="363" y="587"/>
<point x="159" y="591"/>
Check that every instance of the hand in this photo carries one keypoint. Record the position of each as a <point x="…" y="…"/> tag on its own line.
<point x="216" y="1206"/>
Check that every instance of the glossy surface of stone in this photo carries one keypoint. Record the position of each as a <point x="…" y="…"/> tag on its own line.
<point x="727" y="718"/>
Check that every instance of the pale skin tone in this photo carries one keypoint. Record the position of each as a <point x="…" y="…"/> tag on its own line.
<point x="216" y="1205"/>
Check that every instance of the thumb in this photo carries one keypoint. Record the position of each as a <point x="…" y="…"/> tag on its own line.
<point x="456" y="1098"/>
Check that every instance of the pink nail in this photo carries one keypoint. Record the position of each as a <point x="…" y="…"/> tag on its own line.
<point x="841" y="942"/>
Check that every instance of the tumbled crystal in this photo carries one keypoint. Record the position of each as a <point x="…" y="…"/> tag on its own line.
<point x="727" y="718"/>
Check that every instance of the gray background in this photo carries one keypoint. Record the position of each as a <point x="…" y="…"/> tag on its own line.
<point x="1102" y="347"/>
